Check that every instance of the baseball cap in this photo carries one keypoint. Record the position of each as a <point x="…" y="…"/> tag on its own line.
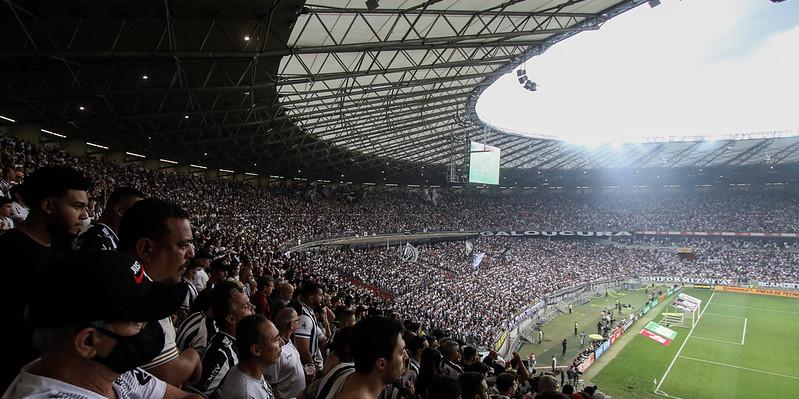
<point x="102" y="286"/>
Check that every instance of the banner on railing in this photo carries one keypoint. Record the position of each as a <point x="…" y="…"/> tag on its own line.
<point x="501" y="340"/>
<point x="586" y="363"/>
<point x="629" y="322"/>
<point x="578" y="233"/>
<point x="758" y="291"/>
<point x="601" y="349"/>
<point x="714" y="234"/>
<point x="615" y="335"/>
<point x="687" y="280"/>
<point x="562" y="233"/>
<point x="790" y="286"/>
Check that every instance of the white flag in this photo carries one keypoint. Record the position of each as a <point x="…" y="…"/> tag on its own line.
<point x="435" y="196"/>
<point x="410" y="253"/>
<point x="478" y="257"/>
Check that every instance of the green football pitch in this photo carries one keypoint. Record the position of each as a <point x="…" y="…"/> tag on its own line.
<point x="743" y="346"/>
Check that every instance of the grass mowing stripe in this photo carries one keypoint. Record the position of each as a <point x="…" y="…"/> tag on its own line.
<point x="724" y="315"/>
<point x="741" y="368"/>
<point x="749" y="307"/>
<point x="718" y="340"/>
<point x="769" y="344"/>
<point x="685" y="341"/>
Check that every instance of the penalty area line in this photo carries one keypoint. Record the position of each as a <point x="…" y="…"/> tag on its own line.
<point x="661" y="393"/>
<point x="741" y="368"/>
<point x="718" y="340"/>
<point x="698" y="319"/>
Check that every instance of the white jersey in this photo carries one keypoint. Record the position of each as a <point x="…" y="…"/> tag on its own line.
<point x="6" y="223"/>
<point x="18" y="212"/>
<point x="287" y="376"/>
<point x="240" y="385"/>
<point x="135" y="384"/>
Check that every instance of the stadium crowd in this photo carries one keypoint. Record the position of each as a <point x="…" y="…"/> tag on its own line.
<point x="254" y="321"/>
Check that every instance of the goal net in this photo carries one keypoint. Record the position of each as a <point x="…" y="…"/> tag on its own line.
<point x="684" y="312"/>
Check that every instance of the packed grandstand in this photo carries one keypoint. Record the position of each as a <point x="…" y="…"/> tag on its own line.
<point x="257" y="226"/>
<point x="299" y="200"/>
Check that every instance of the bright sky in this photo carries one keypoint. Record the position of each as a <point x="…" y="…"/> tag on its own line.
<point x="683" y="68"/>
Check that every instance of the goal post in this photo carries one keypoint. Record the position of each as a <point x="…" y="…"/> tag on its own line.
<point x="683" y="312"/>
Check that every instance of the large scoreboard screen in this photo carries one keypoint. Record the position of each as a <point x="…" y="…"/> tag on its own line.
<point x="483" y="163"/>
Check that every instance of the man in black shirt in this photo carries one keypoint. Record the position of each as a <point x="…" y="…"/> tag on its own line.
<point x="57" y="197"/>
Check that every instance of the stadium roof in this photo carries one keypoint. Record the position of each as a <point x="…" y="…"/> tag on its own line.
<point x="314" y="89"/>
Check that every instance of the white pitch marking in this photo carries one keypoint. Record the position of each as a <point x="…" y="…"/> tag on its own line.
<point x="749" y="307"/>
<point x="724" y="315"/>
<point x="743" y="336"/>
<point x="741" y="368"/>
<point x="718" y="340"/>
<point x="698" y="319"/>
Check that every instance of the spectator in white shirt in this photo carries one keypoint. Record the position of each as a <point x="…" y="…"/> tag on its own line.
<point x="287" y="376"/>
<point x="258" y="347"/>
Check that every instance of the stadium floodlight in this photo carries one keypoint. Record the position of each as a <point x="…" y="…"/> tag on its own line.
<point x="95" y="145"/>
<point x="53" y="133"/>
<point x="372" y="5"/>
<point x="654" y="3"/>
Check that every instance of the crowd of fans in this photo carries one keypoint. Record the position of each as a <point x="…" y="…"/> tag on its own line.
<point x="216" y="309"/>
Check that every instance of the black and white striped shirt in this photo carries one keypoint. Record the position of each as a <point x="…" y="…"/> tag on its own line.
<point x="196" y="332"/>
<point x="219" y="358"/>
<point x="99" y="237"/>
<point x="412" y="373"/>
<point x="309" y="329"/>
<point x="331" y="384"/>
<point x="191" y="294"/>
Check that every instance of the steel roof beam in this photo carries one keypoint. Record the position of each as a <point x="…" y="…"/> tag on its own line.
<point x="361" y="47"/>
<point x="535" y="148"/>
<point x="750" y="152"/>
<point x="713" y="155"/>
<point x="785" y="153"/>
<point x="320" y="9"/>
